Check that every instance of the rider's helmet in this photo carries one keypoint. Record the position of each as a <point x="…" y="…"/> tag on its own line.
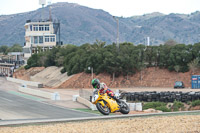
<point x="96" y="83"/>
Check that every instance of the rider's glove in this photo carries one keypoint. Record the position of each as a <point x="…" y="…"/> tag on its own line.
<point x="110" y="94"/>
<point x="104" y="91"/>
<point x="94" y="92"/>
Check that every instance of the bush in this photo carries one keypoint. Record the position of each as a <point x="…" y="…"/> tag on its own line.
<point x="153" y="105"/>
<point x="163" y="108"/>
<point x="195" y="103"/>
<point x="63" y="70"/>
<point x="27" y="67"/>
<point x="189" y="103"/>
<point x="177" y="105"/>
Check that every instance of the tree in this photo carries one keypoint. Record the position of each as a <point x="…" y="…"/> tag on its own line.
<point x="179" y="55"/>
<point x="195" y="50"/>
<point x="42" y="59"/>
<point x="15" y="48"/>
<point x="170" y="42"/>
<point x="142" y="66"/>
<point x="110" y="61"/>
<point x="194" y="65"/>
<point x="164" y="54"/>
<point x="177" y="68"/>
<point x="126" y="59"/>
<point x="3" y="49"/>
<point x="51" y="56"/>
<point x="33" y="61"/>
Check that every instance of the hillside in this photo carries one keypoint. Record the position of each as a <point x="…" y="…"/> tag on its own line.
<point x="151" y="77"/>
<point x="81" y="25"/>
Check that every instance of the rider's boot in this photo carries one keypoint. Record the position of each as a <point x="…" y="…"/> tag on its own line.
<point x="118" y="100"/>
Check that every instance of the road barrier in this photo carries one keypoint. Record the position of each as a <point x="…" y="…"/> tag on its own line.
<point x="86" y="103"/>
<point x="24" y="82"/>
<point x="40" y="93"/>
<point x="74" y="98"/>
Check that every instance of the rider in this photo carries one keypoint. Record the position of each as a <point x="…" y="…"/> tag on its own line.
<point x="103" y="89"/>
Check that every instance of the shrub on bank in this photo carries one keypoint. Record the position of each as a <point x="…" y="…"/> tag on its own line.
<point x="153" y="105"/>
<point x="163" y="109"/>
<point x="195" y="103"/>
<point x="177" y="105"/>
<point x="163" y="106"/>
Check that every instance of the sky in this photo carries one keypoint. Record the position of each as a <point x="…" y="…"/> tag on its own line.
<point x="125" y="8"/>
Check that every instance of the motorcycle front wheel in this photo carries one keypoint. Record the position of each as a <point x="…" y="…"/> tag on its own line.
<point x="124" y="108"/>
<point x="104" y="110"/>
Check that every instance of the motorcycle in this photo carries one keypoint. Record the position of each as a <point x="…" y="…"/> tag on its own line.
<point x="106" y="105"/>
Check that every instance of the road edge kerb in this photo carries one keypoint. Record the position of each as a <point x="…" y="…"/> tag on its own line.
<point x="48" y="121"/>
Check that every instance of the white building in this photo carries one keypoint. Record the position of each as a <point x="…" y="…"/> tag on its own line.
<point x="39" y="36"/>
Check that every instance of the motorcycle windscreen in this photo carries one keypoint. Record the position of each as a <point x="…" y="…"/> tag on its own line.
<point x="95" y="97"/>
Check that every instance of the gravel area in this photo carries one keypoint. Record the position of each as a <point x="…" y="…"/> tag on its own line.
<point x="156" y="124"/>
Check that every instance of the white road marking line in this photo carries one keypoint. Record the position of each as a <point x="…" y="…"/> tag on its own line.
<point x="6" y="99"/>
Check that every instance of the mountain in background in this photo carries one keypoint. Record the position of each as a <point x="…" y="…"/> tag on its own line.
<point x="81" y="25"/>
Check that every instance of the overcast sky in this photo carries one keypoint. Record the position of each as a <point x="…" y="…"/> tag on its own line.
<point x="125" y="8"/>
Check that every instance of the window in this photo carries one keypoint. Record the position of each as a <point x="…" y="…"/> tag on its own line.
<point x="35" y="27"/>
<point x="40" y="39"/>
<point x="35" y="39"/>
<point x="52" y="38"/>
<point x="31" y="27"/>
<point x="46" y="27"/>
<point x="32" y="39"/>
<point x="46" y="38"/>
<point x="41" y="27"/>
<point x="49" y="38"/>
<point x="26" y="50"/>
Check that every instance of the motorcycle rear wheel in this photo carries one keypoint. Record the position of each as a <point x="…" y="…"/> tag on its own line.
<point x="104" y="110"/>
<point x="124" y="108"/>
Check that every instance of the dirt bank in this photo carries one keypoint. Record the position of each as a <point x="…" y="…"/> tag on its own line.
<point x="150" y="77"/>
<point x="24" y="74"/>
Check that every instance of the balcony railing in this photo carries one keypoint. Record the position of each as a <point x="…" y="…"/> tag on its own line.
<point x="42" y="20"/>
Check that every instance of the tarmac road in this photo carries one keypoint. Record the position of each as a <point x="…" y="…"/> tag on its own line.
<point x="17" y="107"/>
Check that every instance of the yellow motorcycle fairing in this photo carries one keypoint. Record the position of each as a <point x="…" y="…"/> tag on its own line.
<point x="111" y="103"/>
<point x="102" y="103"/>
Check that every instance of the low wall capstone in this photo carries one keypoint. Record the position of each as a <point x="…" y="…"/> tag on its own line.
<point x="40" y="93"/>
<point x="24" y="82"/>
<point x="86" y="103"/>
